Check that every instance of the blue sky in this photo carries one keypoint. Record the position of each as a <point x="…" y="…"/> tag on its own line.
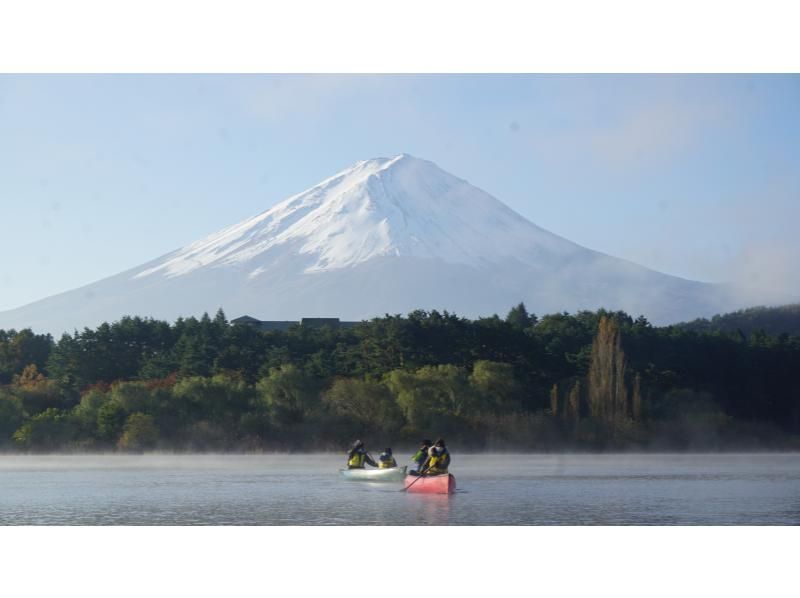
<point x="697" y="176"/>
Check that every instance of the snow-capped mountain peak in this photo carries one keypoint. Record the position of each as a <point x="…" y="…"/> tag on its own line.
<point x="400" y="206"/>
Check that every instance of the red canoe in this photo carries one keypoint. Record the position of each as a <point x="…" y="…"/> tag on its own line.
<point x="431" y="484"/>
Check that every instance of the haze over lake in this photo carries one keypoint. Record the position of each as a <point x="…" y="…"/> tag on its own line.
<point x="608" y="489"/>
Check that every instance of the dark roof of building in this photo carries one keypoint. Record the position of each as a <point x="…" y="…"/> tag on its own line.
<point x="244" y="319"/>
<point x="269" y="325"/>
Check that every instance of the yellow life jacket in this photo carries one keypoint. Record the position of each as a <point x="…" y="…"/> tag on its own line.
<point x="386" y="463"/>
<point x="438" y="462"/>
<point x="357" y="460"/>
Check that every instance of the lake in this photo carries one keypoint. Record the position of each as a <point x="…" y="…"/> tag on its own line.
<point x="572" y="489"/>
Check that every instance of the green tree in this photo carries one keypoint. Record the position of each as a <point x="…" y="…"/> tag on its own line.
<point x="86" y="411"/>
<point x="519" y="318"/>
<point x="431" y="394"/>
<point x="199" y="344"/>
<point x="220" y="398"/>
<point x="289" y="394"/>
<point x="110" y="420"/>
<point x="50" y="430"/>
<point x="495" y="386"/>
<point x="132" y="396"/>
<point x="209" y="385"/>
<point x="21" y="349"/>
<point x="368" y="403"/>
<point x="11" y="416"/>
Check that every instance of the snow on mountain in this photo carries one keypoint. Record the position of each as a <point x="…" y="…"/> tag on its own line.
<point x="384" y="236"/>
<point x="401" y="206"/>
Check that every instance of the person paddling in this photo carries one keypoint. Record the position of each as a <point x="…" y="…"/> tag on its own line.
<point x="421" y="456"/>
<point x="438" y="459"/>
<point x="386" y="460"/>
<point x="358" y="455"/>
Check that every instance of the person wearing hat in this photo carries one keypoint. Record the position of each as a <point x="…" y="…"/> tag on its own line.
<point x="421" y="455"/>
<point x="438" y="459"/>
<point x="358" y="455"/>
<point x="386" y="460"/>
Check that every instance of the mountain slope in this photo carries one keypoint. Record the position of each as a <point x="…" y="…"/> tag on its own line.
<point x="385" y="235"/>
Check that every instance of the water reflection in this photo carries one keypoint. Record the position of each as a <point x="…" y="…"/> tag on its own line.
<point x="431" y="509"/>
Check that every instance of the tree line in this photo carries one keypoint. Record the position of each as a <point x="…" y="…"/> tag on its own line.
<point x="783" y="319"/>
<point x="591" y="381"/>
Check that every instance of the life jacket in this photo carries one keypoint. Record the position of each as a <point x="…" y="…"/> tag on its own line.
<point x="386" y="461"/>
<point x="420" y="456"/>
<point x="356" y="460"/>
<point x="439" y="461"/>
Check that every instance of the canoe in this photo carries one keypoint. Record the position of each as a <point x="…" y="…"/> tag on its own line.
<point x="392" y="474"/>
<point x="431" y="484"/>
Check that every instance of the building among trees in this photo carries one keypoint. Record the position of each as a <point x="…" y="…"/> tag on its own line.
<point x="284" y="325"/>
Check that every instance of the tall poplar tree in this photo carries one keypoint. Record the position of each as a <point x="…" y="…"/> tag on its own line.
<point x="607" y="392"/>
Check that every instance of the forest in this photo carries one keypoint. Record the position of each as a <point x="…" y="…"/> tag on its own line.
<point x="586" y="381"/>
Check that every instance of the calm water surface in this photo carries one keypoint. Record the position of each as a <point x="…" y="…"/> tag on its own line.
<point x="754" y="489"/>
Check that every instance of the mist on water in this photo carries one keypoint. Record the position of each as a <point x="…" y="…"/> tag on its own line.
<point x="492" y="489"/>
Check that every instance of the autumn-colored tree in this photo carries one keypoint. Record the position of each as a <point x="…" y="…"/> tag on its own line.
<point x="30" y="378"/>
<point x="474" y="381"/>
<point x="607" y="391"/>
<point x="573" y="410"/>
<point x="140" y="433"/>
<point x="36" y="392"/>
<point x="554" y="400"/>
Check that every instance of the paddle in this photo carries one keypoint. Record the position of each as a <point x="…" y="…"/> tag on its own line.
<point x="420" y="475"/>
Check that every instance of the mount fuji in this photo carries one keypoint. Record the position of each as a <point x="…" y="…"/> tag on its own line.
<point x="387" y="235"/>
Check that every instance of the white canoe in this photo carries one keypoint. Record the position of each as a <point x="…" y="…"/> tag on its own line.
<point x="392" y="474"/>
